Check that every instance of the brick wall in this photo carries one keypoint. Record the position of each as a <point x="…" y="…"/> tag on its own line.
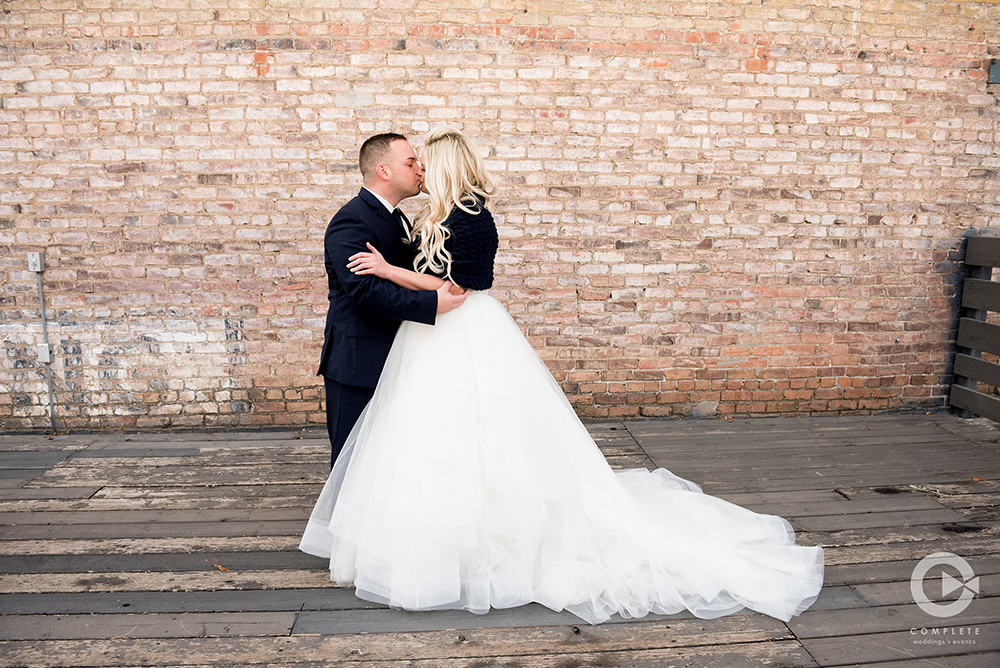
<point x="710" y="207"/>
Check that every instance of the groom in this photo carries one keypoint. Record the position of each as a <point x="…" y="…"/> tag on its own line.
<point x="365" y="311"/>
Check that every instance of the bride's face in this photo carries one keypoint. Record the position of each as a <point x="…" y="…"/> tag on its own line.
<point x="423" y="172"/>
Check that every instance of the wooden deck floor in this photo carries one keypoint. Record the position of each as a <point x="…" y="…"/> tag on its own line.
<point x="180" y="550"/>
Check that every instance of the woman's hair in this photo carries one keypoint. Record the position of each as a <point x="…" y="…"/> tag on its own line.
<point x="454" y="175"/>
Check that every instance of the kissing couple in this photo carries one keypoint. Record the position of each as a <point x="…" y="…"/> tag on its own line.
<point x="461" y="476"/>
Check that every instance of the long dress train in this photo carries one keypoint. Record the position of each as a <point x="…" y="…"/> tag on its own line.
<point x="470" y="483"/>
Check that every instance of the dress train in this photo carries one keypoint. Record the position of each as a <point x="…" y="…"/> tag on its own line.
<point x="470" y="483"/>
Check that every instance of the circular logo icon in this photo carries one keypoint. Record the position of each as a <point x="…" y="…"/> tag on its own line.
<point x="969" y="584"/>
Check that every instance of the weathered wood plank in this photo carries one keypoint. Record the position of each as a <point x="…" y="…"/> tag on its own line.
<point x="916" y="534"/>
<point x="235" y="438"/>
<point x="989" y="499"/>
<point x="158" y="562"/>
<point x="844" y="507"/>
<point x="166" y="530"/>
<point x="839" y="597"/>
<point x="779" y="428"/>
<point x="49" y="493"/>
<point x="184" y="625"/>
<point x="874" y="647"/>
<point x="898" y="593"/>
<point x="203" y="456"/>
<point x="141" y="602"/>
<point x="867" y="554"/>
<point x="977" y="369"/>
<point x="135" y="517"/>
<point x="41" y="442"/>
<point x="938" y="492"/>
<point x="741" y="655"/>
<point x="768" y="445"/>
<point x="169" y="543"/>
<point x="984" y="660"/>
<point x="629" y="462"/>
<point x="189" y="502"/>
<point x="978" y="294"/>
<point x="884" y="619"/>
<point x="429" y="645"/>
<point x="827" y="457"/>
<point x="277" y="474"/>
<point x="901" y="518"/>
<point x="385" y="620"/>
<point x="722" y="483"/>
<point x="781" y="497"/>
<point x="983" y="251"/>
<point x="20" y="475"/>
<point x="975" y="401"/>
<point x="978" y="335"/>
<point x="889" y="571"/>
<point x="29" y="459"/>
<point x="35" y="583"/>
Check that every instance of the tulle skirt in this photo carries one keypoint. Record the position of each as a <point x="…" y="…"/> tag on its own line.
<point x="470" y="483"/>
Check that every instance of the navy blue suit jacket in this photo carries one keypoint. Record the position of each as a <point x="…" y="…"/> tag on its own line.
<point x="365" y="311"/>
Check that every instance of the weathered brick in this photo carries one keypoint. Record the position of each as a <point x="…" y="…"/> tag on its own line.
<point x="717" y="201"/>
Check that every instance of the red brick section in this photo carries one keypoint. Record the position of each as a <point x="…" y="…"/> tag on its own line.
<point x="713" y="207"/>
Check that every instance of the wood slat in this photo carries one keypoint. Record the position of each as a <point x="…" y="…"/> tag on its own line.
<point x="430" y="645"/>
<point x="168" y="543"/>
<point x="975" y="401"/>
<point x="50" y="493"/>
<point x="140" y="602"/>
<point x="40" y="583"/>
<point x="126" y="517"/>
<point x="911" y="550"/>
<point x="269" y="653"/>
<point x="985" y="660"/>
<point x="977" y="335"/>
<point x="977" y="369"/>
<point x="166" y="562"/>
<point x="877" y="647"/>
<point x="978" y="294"/>
<point x="890" y="571"/>
<point x="915" y="535"/>
<point x="885" y="619"/>
<point x="171" y="530"/>
<point x="983" y="251"/>
<point x="185" y="625"/>
<point x="898" y="593"/>
<point x="936" y="516"/>
<point x="384" y="620"/>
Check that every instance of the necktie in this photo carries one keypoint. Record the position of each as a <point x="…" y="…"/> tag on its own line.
<point x="403" y="220"/>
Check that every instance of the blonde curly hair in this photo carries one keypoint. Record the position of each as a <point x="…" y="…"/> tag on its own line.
<point x="454" y="176"/>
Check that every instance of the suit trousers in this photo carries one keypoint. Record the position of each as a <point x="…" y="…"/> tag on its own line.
<point x="344" y="404"/>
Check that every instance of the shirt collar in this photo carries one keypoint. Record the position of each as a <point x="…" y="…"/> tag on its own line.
<point x="384" y="201"/>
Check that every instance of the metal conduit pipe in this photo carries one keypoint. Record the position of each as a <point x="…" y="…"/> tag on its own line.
<point x="36" y="263"/>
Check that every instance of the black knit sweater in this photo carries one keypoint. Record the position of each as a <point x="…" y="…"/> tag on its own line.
<point x="473" y="247"/>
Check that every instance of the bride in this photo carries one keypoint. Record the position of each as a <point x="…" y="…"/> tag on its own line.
<point x="507" y="500"/>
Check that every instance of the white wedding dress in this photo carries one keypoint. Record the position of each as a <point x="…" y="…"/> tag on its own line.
<point x="470" y="483"/>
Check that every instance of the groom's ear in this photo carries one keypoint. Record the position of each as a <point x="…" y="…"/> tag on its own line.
<point x="382" y="171"/>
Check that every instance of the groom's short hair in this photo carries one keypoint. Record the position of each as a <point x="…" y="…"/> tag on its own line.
<point x="374" y="150"/>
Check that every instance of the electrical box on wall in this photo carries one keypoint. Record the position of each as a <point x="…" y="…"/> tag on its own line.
<point x="994" y="76"/>
<point x="36" y="261"/>
<point x="45" y="353"/>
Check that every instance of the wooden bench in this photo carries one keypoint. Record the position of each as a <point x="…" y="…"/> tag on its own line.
<point x="980" y="295"/>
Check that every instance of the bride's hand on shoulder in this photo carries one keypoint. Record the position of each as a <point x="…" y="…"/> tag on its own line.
<point x="369" y="263"/>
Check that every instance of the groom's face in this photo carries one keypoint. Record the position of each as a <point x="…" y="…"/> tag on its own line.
<point x="405" y="171"/>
